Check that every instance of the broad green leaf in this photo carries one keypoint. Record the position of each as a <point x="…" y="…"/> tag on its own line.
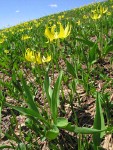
<point x="108" y="49"/>
<point x="55" y="98"/>
<point x="99" y="123"/>
<point x="48" y="89"/>
<point x="81" y="130"/>
<point x="52" y="133"/>
<point x="85" y="130"/>
<point x="28" y="112"/>
<point x="29" y="100"/>
<point x="17" y="85"/>
<point x="61" y="122"/>
<point x="110" y="129"/>
<point x="6" y="146"/>
<point x="2" y="101"/>
<point x="92" y="54"/>
<point x="21" y="146"/>
<point x="71" y="69"/>
<point x="85" y="41"/>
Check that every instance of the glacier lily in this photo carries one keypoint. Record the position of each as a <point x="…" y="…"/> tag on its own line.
<point x="103" y="10"/>
<point x="95" y="16"/>
<point x="25" y="37"/>
<point x="36" y="57"/>
<point x="41" y="60"/>
<point x="51" y="34"/>
<point x="29" y="55"/>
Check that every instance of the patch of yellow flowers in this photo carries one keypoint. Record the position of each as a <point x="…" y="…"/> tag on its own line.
<point x="98" y="12"/>
<point x="95" y="16"/>
<point x="52" y="34"/>
<point x="1" y="41"/>
<point x="25" y="37"/>
<point x="36" y="57"/>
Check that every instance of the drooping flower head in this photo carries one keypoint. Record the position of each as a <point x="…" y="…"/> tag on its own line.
<point x="6" y="51"/>
<point x="103" y="10"/>
<point x="52" y="34"/>
<point x="64" y="32"/>
<point x="29" y="55"/>
<point x="36" y="57"/>
<point x="25" y="37"/>
<point x="1" y="41"/>
<point x="95" y="16"/>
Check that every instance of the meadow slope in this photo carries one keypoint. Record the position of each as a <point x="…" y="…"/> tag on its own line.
<point x="56" y="81"/>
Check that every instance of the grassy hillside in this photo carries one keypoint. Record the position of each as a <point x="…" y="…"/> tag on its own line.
<point x="56" y="81"/>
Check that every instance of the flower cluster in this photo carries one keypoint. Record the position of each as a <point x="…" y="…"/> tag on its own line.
<point x="52" y="34"/>
<point x="98" y="12"/>
<point x="25" y="37"/>
<point x="36" y="57"/>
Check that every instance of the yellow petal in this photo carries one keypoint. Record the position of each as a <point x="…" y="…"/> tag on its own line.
<point x="38" y="59"/>
<point x="48" y="34"/>
<point x="46" y="59"/>
<point x="67" y="30"/>
<point x="6" y="51"/>
<point x="29" y="55"/>
<point x="64" y="32"/>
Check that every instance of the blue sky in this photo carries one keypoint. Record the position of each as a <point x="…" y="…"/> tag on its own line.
<point x="13" y="12"/>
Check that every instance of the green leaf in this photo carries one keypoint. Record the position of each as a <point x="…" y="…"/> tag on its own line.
<point x="52" y="133"/>
<point x="71" y="69"/>
<point x="92" y="54"/>
<point x="61" y="122"/>
<point x="21" y="146"/>
<point x="29" y="100"/>
<point x="110" y="129"/>
<point x="85" y="41"/>
<point x="17" y="85"/>
<point x="6" y="146"/>
<point x="108" y="49"/>
<point x="55" y="97"/>
<point x="85" y="130"/>
<point x="99" y="123"/>
<point x="48" y="89"/>
<point x="28" y="112"/>
<point x="0" y="118"/>
<point x="81" y="130"/>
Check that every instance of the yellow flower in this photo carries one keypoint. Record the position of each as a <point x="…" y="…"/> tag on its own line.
<point x="21" y="30"/>
<point x="29" y="55"/>
<point x="25" y="37"/>
<point x="93" y="11"/>
<point x="46" y="59"/>
<point x="78" y="22"/>
<point x="40" y="60"/>
<point x="29" y="28"/>
<point x="108" y="13"/>
<point x="95" y="16"/>
<point x="64" y="32"/>
<point x="85" y="17"/>
<point x="103" y="10"/>
<point x="60" y="17"/>
<point x="51" y="34"/>
<point x="1" y="41"/>
<point x="36" y="58"/>
<point x="37" y="24"/>
<point x="6" y="51"/>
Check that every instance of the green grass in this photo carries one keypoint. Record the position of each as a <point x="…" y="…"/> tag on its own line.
<point x="50" y="104"/>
